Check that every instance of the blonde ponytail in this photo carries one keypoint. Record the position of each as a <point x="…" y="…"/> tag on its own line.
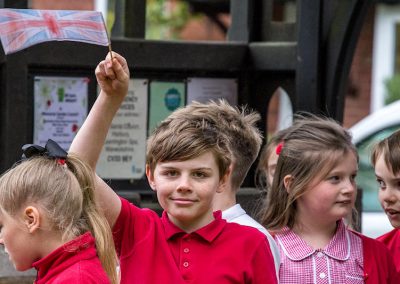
<point x="97" y="222"/>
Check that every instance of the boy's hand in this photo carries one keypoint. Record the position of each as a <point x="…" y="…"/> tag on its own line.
<point x="113" y="76"/>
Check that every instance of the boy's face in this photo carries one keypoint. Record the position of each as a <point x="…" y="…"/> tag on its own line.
<point x="389" y="191"/>
<point x="186" y="189"/>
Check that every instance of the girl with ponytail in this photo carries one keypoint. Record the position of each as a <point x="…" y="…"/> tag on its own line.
<point x="49" y="219"/>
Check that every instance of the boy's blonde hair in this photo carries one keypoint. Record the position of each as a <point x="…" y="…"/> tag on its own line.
<point x="65" y="193"/>
<point x="238" y="125"/>
<point x="181" y="139"/>
<point x="390" y="149"/>
<point x="311" y="148"/>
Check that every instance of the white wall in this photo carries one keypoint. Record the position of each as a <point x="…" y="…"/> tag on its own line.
<point x="383" y="58"/>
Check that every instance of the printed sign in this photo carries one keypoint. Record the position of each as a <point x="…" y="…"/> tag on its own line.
<point x="205" y="89"/>
<point x="61" y="105"/>
<point x="124" y="152"/>
<point x="165" y="97"/>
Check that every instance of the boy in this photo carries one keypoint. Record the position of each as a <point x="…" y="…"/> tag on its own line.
<point x="386" y="162"/>
<point x="244" y="140"/>
<point x="186" y="164"/>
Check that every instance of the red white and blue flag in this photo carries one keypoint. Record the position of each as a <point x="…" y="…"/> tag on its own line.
<point x="21" y="28"/>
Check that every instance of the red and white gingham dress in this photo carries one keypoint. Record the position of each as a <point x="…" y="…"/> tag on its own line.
<point x="341" y="261"/>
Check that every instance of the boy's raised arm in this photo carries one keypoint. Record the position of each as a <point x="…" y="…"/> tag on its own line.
<point x="113" y="79"/>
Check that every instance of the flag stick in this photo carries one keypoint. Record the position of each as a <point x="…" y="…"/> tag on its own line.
<point x="109" y="40"/>
<point x="109" y="48"/>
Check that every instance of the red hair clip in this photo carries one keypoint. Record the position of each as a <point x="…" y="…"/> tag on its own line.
<point x="61" y="161"/>
<point x="279" y="148"/>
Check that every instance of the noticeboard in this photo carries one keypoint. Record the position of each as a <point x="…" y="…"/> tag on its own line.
<point x="60" y="108"/>
<point x="204" y="89"/>
<point x="124" y="152"/>
<point x="165" y="97"/>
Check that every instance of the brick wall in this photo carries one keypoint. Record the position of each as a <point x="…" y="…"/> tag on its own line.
<point x="358" y="98"/>
<point x="62" y="4"/>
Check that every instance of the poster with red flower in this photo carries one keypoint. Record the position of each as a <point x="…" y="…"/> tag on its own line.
<point x="60" y="108"/>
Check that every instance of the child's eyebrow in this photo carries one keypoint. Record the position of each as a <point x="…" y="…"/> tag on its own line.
<point x="391" y="180"/>
<point x="207" y="170"/>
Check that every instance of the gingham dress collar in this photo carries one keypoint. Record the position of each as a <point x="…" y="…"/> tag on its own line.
<point x="297" y="249"/>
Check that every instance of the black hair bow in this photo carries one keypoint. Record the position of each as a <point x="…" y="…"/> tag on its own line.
<point x="51" y="150"/>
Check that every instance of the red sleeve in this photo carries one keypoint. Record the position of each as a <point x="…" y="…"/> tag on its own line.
<point x="263" y="265"/>
<point x="123" y="226"/>
<point x="378" y="263"/>
<point x="131" y="223"/>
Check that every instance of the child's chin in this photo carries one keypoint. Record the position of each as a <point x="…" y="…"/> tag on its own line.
<point x="21" y="268"/>
<point x="395" y="224"/>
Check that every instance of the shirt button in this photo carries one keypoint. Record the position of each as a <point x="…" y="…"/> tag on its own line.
<point x="185" y="264"/>
<point x="320" y="254"/>
<point x="185" y="250"/>
<point x="322" y="275"/>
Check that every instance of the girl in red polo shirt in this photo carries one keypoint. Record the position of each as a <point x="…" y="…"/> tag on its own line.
<point x="386" y="160"/>
<point x="50" y="221"/>
<point x="313" y="190"/>
<point x="188" y="163"/>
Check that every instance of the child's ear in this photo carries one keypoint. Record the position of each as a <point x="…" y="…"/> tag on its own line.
<point x="287" y="182"/>
<point x="225" y="179"/>
<point x="150" y="177"/>
<point x="31" y="216"/>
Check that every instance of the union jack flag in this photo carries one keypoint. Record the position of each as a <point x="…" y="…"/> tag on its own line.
<point x="21" y="28"/>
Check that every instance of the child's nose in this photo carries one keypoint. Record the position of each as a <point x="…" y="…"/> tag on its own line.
<point x="349" y="186"/>
<point x="184" y="184"/>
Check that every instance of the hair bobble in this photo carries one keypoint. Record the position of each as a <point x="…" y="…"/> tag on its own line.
<point x="279" y="147"/>
<point x="61" y="162"/>
<point x="51" y="150"/>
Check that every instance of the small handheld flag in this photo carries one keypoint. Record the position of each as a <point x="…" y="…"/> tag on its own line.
<point x="21" y="28"/>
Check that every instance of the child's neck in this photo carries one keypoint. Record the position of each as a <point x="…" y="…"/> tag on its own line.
<point x="193" y="225"/>
<point x="225" y="199"/>
<point x="49" y="240"/>
<point x="315" y="235"/>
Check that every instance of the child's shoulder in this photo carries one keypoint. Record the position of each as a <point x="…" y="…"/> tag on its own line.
<point x="243" y="231"/>
<point x="389" y="236"/>
<point x="370" y="244"/>
<point x="130" y="213"/>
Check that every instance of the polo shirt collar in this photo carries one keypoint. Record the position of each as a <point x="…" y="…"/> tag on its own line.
<point x="297" y="249"/>
<point x="208" y="232"/>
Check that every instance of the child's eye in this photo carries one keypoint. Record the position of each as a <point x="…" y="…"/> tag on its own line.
<point x="199" y="175"/>
<point x="170" y="173"/>
<point x="334" y="179"/>
<point x="381" y="183"/>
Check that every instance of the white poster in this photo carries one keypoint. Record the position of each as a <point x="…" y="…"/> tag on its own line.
<point x="205" y="89"/>
<point x="124" y="152"/>
<point x="61" y="105"/>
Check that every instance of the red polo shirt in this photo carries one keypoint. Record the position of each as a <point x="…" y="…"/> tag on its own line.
<point x="74" y="262"/>
<point x="392" y="241"/>
<point x="154" y="250"/>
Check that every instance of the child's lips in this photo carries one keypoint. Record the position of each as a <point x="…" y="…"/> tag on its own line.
<point x="391" y="212"/>
<point x="347" y="201"/>
<point x="183" y="201"/>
